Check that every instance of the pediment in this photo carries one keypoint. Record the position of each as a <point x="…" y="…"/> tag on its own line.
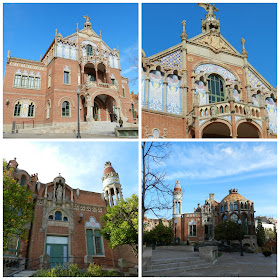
<point x="215" y="41"/>
<point x="89" y="32"/>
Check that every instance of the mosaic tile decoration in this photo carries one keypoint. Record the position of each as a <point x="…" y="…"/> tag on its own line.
<point x="237" y="118"/>
<point x="254" y="81"/>
<point x="236" y="95"/>
<point x="173" y="99"/>
<point x="143" y="88"/>
<point x="272" y="114"/>
<point x="200" y="89"/>
<point x="255" y="100"/>
<point x="258" y="122"/>
<point x="155" y="99"/>
<point x="228" y="118"/>
<point x="172" y="59"/>
<point x="201" y="122"/>
<point x="212" y="68"/>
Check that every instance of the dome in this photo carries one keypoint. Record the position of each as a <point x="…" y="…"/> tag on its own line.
<point x="233" y="194"/>
<point x="108" y="168"/>
<point x="177" y="186"/>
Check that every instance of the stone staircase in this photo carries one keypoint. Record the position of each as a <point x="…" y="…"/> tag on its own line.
<point x="167" y="267"/>
<point x="25" y="273"/>
<point x="101" y="128"/>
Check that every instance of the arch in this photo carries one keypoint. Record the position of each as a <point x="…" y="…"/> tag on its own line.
<point x="24" y="99"/>
<point x="244" y="220"/>
<point x="215" y="63"/>
<point x="216" y="88"/>
<point x="104" y="92"/>
<point x="233" y="217"/>
<point x="23" y="180"/>
<point x="247" y="129"/>
<point x="224" y="218"/>
<point x="66" y="98"/>
<point x="217" y="129"/>
<point x="65" y="109"/>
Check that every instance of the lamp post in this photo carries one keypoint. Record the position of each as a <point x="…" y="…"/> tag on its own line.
<point x="78" y="95"/>
<point x="240" y="237"/>
<point x="81" y="217"/>
<point x="175" y="222"/>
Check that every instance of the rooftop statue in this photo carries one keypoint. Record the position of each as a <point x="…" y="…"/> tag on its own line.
<point x="87" y="19"/>
<point x="208" y="8"/>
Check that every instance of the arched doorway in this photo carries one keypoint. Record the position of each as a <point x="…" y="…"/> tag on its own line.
<point x="216" y="130"/>
<point x="247" y="130"/>
<point x="105" y="108"/>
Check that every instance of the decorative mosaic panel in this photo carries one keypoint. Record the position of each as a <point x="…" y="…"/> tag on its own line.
<point x="237" y="119"/>
<point x="228" y="118"/>
<point x="116" y="64"/>
<point x="73" y="52"/>
<point x="255" y="100"/>
<point x="59" y="51"/>
<point x="236" y="95"/>
<point x="200" y="123"/>
<point x="92" y="223"/>
<point x="172" y="59"/>
<point x="254" y="81"/>
<point x="155" y="101"/>
<point x="212" y="68"/>
<point x="258" y="122"/>
<point x="143" y="88"/>
<point x="272" y="114"/>
<point x="173" y="99"/>
<point x="200" y="89"/>
<point x="66" y="51"/>
<point x="111" y="61"/>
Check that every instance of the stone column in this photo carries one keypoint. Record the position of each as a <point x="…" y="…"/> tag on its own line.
<point x="121" y="193"/>
<point x="96" y="72"/>
<point x="116" y="194"/>
<point x="72" y="197"/>
<point x="89" y="110"/>
<point x="46" y="190"/>
<point x="247" y="97"/>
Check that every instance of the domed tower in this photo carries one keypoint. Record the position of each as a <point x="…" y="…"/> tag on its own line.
<point x="111" y="185"/>
<point x="177" y="200"/>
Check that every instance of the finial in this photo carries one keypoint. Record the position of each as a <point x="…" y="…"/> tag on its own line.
<point x="100" y="34"/>
<point x="9" y="54"/>
<point x="56" y="32"/>
<point x="77" y="28"/>
<point x="244" y="52"/>
<point x="184" y="25"/>
<point x="40" y="57"/>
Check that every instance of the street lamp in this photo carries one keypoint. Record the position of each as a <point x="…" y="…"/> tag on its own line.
<point x="175" y="222"/>
<point x="240" y="237"/>
<point x="78" y="95"/>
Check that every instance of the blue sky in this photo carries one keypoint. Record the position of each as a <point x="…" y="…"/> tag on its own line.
<point x="29" y="29"/>
<point x="256" y="23"/>
<point x="217" y="167"/>
<point x="80" y="163"/>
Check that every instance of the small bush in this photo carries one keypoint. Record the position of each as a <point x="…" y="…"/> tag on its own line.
<point x="266" y="253"/>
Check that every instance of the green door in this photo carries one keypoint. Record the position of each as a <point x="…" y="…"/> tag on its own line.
<point x="58" y="252"/>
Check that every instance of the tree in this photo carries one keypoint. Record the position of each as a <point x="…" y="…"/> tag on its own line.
<point x="156" y="194"/>
<point x="160" y="235"/>
<point x="18" y="207"/>
<point x="269" y="233"/>
<point x="260" y="234"/>
<point x="120" y="224"/>
<point x="227" y="231"/>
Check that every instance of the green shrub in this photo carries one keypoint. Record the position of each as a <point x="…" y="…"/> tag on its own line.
<point x="266" y="253"/>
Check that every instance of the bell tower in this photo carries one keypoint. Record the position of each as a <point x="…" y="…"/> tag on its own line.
<point x="177" y="200"/>
<point x="111" y="185"/>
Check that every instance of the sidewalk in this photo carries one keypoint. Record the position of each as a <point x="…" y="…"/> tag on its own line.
<point x="232" y="264"/>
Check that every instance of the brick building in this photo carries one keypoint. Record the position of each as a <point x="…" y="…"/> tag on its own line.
<point x="67" y="222"/>
<point x="204" y="88"/>
<point x="44" y="92"/>
<point x="199" y="225"/>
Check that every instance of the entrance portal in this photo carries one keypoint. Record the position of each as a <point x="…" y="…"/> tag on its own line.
<point x="57" y="249"/>
<point x="105" y="109"/>
<point x="247" y="130"/>
<point x="216" y="130"/>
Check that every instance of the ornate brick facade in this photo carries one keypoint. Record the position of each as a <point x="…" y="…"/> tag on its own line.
<point x="45" y="92"/>
<point x="204" y="88"/>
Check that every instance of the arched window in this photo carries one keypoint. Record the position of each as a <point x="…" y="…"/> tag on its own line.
<point x="241" y="205"/>
<point x="222" y="208"/>
<point x="65" y="109"/>
<point x="225" y="207"/>
<point x="216" y="88"/>
<point x="58" y="216"/>
<point x="244" y="220"/>
<point x="235" y="205"/>
<point x="17" y="110"/>
<point x="231" y="206"/>
<point x="31" y="110"/>
<point x="65" y="219"/>
<point x="51" y="217"/>
<point x="22" y="180"/>
<point x="89" y="50"/>
<point x="224" y="218"/>
<point x="234" y="218"/>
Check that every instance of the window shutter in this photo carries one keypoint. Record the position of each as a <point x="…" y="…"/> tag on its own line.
<point x="90" y="246"/>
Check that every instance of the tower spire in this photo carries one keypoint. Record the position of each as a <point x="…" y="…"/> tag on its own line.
<point x="177" y="200"/>
<point x="87" y="24"/>
<point x="210" y="23"/>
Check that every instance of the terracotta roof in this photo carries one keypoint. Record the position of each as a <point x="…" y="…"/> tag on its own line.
<point x="109" y="169"/>
<point x="235" y="196"/>
<point x="177" y="186"/>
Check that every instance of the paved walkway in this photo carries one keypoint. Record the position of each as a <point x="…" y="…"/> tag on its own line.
<point x="232" y="264"/>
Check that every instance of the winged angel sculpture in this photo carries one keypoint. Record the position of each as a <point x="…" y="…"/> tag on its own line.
<point x="208" y="8"/>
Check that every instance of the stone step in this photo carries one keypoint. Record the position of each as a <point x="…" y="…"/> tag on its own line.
<point x="176" y="264"/>
<point x="158" y="272"/>
<point x="173" y="260"/>
<point x="25" y="273"/>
